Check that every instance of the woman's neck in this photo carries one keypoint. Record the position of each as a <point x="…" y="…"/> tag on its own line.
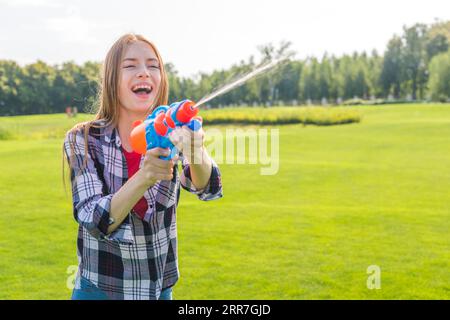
<point x="125" y="125"/>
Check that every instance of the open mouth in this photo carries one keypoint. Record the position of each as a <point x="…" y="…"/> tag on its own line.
<point x="142" y="91"/>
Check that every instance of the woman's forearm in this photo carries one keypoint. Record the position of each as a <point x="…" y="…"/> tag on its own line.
<point x="125" y="199"/>
<point x="201" y="171"/>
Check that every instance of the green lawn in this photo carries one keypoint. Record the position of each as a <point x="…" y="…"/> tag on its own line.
<point x="346" y="197"/>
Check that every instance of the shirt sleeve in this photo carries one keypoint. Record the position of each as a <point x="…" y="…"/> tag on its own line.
<point x="213" y="189"/>
<point x="91" y="208"/>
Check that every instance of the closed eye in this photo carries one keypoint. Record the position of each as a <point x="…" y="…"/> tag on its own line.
<point x="155" y="67"/>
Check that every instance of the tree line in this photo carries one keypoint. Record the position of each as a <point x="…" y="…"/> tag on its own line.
<point x="414" y="66"/>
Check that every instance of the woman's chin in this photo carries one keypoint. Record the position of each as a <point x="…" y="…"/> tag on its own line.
<point x="141" y="108"/>
<point x="143" y="105"/>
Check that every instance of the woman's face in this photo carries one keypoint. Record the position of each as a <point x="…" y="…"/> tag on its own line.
<point x="140" y="78"/>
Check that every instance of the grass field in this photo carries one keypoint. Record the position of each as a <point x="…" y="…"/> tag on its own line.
<point x="346" y="197"/>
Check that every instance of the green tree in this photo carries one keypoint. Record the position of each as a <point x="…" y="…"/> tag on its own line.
<point x="392" y="67"/>
<point x="414" y="58"/>
<point x="10" y="81"/>
<point x="309" y="81"/>
<point x="439" y="82"/>
<point x="175" y="93"/>
<point x="34" y="91"/>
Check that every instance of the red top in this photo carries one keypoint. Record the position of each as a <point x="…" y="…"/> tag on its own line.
<point x="133" y="160"/>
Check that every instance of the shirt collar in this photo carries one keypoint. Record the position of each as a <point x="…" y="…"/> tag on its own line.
<point x="112" y="135"/>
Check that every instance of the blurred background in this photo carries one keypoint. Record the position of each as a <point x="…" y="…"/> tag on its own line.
<point x="363" y="110"/>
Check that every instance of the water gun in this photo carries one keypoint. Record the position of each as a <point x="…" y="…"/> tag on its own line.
<point x="155" y="129"/>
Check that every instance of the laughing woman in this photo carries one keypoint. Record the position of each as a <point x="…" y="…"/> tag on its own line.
<point x="125" y="203"/>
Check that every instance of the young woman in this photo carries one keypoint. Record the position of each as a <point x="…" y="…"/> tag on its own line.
<point x="126" y="203"/>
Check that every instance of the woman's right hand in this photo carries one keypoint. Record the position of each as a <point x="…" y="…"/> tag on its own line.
<point x="154" y="168"/>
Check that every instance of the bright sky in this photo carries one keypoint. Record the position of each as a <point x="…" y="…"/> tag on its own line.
<point x="203" y="35"/>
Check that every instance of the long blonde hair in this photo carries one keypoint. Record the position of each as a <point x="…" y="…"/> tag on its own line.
<point x="108" y="95"/>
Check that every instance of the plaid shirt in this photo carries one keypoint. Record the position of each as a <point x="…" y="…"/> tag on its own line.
<point x="139" y="258"/>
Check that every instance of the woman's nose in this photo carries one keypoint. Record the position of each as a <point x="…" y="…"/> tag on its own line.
<point x="143" y="72"/>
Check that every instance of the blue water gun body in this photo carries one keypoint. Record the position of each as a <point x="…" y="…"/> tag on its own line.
<point x="154" y="131"/>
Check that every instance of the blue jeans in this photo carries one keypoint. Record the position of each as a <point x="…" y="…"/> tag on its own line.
<point x="89" y="291"/>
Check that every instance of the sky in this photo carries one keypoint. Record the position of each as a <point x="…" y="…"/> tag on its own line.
<point x="204" y="35"/>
